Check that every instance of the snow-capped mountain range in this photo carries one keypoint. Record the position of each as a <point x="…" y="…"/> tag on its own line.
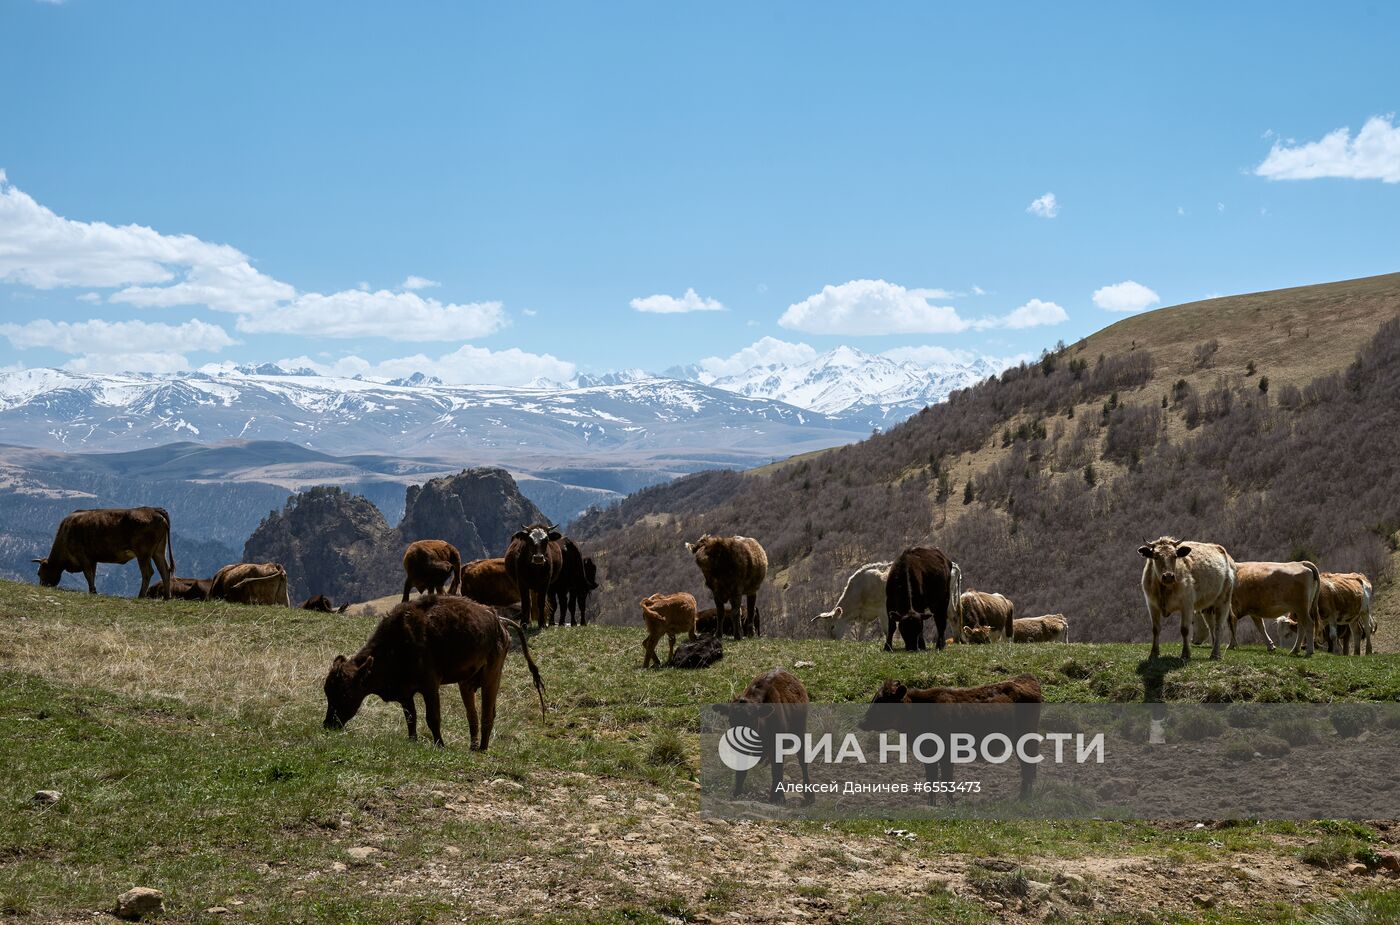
<point x="692" y="416"/>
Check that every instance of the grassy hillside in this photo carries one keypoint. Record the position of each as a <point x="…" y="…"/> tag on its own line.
<point x="186" y="742"/>
<point x="1264" y="422"/>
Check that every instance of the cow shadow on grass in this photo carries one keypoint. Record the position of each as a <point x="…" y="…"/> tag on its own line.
<point x="1154" y="671"/>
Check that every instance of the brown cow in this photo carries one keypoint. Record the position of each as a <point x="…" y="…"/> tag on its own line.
<point x="1053" y="627"/>
<point x="578" y="577"/>
<point x="534" y="559"/>
<point x="1014" y="721"/>
<point x="666" y="615"/>
<point x="994" y="611"/>
<point x="921" y="584"/>
<point x="1268" y="590"/>
<point x="429" y="566"/>
<point x="489" y="582"/>
<point x="706" y="621"/>
<point x="322" y="604"/>
<point x="251" y="583"/>
<point x="115" y="535"/>
<point x="1345" y="604"/>
<point x="184" y="589"/>
<point x="774" y="703"/>
<point x="734" y="567"/>
<point x="420" y="646"/>
<point x="1185" y="578"/>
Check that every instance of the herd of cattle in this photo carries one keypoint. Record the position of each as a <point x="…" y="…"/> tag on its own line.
<point x="456" y="633"/>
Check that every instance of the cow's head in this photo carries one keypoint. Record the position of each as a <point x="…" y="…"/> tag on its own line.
<point x="347" y="686"/>
<point x="879" y="717"/>
<point x="590" y="574"/>
<point x="911" y="627"/>
<point x="1164" y="554"/>
<point x="698" y="547"/>
<point x="537" y="538"/>
<point x="975" y="635"/>
<point x="49" y="574"/>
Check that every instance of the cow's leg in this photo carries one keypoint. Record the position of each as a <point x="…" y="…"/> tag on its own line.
<point x="407" y="587"/>
<point x="889" y="632"/>
<point x="490" y="689"/>
<point x="469" y="689"/>
<point x="739" y="782"/>
<point x="167" y="574"/>
<point x="410" y="716"/>
<point x="1029" y="768"/>
<point x="541" y="609"/>
<point x="940" y="623"/>
<point x="670" y="647"/>
<point x="1156" y="614"/>
<point x="649" y="650"/>
<point x="775" y="787"/>
<point x="90" y="573"/>
<point x="1187" y="615"/>
<point x="1219" y="617"/>
<point x="751" y="603"/>
<point x="583" y="610"/>
<point x="808" y="798"/>
<point x="432" y="706"/>
<point x="144" y="565"/>
<point x="741" y="626"/>
<point x="1312" y="633"/>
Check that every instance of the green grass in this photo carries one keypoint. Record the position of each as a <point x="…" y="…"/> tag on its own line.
<point x="186" y="741"/>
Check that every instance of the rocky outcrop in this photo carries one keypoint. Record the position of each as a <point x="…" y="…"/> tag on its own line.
<point x="330" y="542"/>
<point x="338" y="544"/>
<point x="476" y="510"/>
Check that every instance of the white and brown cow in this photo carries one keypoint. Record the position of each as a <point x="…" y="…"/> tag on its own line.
<point x="994" y="611"/>
<point x="862" y="600"/>
<point x="1186" y="577"/>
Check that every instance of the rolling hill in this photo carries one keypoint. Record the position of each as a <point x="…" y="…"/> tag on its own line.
<point x="1265" y="421"/>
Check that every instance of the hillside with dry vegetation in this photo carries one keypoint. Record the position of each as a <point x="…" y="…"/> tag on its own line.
<point x="1266" y="422"/>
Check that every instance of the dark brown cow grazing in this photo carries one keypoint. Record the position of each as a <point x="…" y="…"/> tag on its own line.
<point x="781" y="702"/>
<point x="734" y="567"/>
<point x="115" y="535"/>
<point x="706" y="621"/>
<point x="184" y="589"/>
<point x="429" y="566"/>
<point x="417" y="648"/>
<point x="920" y="584"/>
<point x="1013" y="721"/>
<point x="577" y="578"/>
<point x="487" y="581"/>
<point x="322" y="604"/>
<point x="534" y="559"/>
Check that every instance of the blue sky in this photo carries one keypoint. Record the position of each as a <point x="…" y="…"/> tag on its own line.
<point x="827" y="174"/>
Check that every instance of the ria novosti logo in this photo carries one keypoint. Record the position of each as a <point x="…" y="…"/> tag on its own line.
<point x="740" y="748"/>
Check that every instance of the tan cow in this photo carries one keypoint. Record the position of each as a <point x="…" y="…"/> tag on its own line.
<point x="994" y="611"/>
<point x="1053" y="627"/>
<point x="666" y="615"/>
<point x="1268" y="590"/>
<point x="1186" y="577"/>
<point x="1345" y="600"/>
<point x="251" y="583"/>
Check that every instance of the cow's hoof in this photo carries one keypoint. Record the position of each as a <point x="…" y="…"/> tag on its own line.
<point x="1215" y="656"/>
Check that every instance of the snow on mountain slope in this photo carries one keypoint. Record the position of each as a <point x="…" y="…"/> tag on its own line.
<point x="633" y="417"/>
<point x="851" y="383"/>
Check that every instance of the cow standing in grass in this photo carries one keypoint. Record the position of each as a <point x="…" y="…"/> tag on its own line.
<point x="994" y="611"/>
<point x="430" y="566"/>
<point x="534" y="559"/>
<point x="420" y="646"/>
<point x="115" y="535"/>
<point x="920" y="587"/>
<point x="861" y="601"/>
<point x="774" y="703"/>
<point x="734" y="567"/>
<point x="1186" y="577"/>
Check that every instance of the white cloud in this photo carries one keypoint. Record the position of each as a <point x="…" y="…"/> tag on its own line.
<point x="1373" y="154"/>
<point x="871" y="306"/>
<point x="117" y="337"/>
<point x="413" y="283"/>
<point x="129" y="363"/>
<point x="392" y="315"/>
<point x="528" y="312"/>
<point x="467" y="365"/>
<point x="1045" y="206"/>
<point x="43" y="250"/>
<point x="766" y="351"/>
<point x="692" y="301"/>
<point x="1033" y="314"/>
<point x="1126" y="296"/>
<point x="90" y="297"/>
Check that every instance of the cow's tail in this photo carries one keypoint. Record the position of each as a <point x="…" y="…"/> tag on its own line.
<point x="1315" y="601"/>
<point x="169" y="541"/>
<point x="456" y="561"/>
<point x="525" y="650"/>
<point x="955" y="615"/>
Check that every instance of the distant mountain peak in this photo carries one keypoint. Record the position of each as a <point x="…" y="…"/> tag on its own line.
<point x="417" y="379"/>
